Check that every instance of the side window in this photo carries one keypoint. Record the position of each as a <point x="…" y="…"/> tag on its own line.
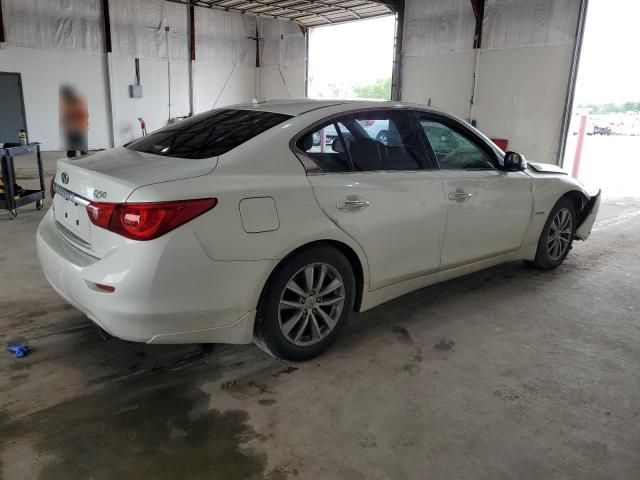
<point x="383" y="140"/>
<point x="453" y="150"/>
<point x="326" y="148"/>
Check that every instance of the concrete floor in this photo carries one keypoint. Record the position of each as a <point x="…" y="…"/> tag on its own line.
<point x="508" y="373"/>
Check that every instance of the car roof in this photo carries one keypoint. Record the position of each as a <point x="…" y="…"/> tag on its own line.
<point x="295" y="107"/>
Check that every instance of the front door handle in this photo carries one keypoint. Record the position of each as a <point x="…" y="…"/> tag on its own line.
<point x="460" y="196"/>
<point x="352" y="203"/>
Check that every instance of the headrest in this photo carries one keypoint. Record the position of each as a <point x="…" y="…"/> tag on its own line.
<point x="307" y="142"/>
<point x="338" y="146"/>
<point x="366" y="154"/>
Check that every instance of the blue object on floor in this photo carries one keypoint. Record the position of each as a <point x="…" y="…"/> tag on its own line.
<point x="19" y="351"/>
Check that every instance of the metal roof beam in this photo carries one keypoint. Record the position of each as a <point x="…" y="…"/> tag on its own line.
<point x="305" y="12"/>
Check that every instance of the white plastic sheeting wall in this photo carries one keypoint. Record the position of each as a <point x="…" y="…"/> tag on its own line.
<point x="282" y="59"/>
<point x="522" y="70"/>
<point x="526" y="23"/>
<point x="70" y="25"/>
<point x="51" y="42"/>
<point x="138" y="30"/>
<point x="437" y="61"/>
<point x="224" y="70"/>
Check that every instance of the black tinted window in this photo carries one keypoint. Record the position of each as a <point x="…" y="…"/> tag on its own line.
<point x="366" y="141"/>
<point x="209" y="134"/>
<point x="385" y="140"/>
<point x="326" y="147"/>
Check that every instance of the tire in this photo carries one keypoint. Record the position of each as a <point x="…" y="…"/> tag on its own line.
<point x="554" y="247"/>
<point x="293" y="322"/>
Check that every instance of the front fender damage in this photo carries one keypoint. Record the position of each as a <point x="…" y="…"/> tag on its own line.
<point x="587" y="216"/>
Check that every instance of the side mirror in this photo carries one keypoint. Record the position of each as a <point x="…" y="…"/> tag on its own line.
<point x="514" y="162"/>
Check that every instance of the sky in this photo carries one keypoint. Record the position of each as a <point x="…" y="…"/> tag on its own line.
<point x="356" y="53"/>
<point x="609" y="70"/>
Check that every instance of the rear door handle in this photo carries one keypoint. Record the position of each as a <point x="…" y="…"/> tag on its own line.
<point x="352" y="203"/>
<point x="460" y="196"/>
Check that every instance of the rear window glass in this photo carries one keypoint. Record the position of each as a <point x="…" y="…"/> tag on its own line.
<point x="209" y="134"/>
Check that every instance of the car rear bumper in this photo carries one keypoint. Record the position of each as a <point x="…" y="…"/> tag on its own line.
<point x="167" y="290"/>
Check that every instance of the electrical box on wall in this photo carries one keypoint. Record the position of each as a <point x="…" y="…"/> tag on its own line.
<point x="135" y="91"/>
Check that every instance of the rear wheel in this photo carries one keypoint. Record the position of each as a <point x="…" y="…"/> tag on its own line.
<point x="557" y="235"/>
<point x="305" y="304"/>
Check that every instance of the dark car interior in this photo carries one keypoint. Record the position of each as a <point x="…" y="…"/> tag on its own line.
<point x="353" y="149"/>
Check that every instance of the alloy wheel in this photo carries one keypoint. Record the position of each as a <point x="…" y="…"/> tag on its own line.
<point x="560" y="232"/>
<point x="311" y="304"/>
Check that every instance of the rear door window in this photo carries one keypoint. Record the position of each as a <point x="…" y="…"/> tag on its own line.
<point x="209" y="134"/>
<point x="326" y="147"/>
<point x="367" y="141"/>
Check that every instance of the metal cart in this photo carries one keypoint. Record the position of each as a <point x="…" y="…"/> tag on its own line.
<point x="10" y="202"/>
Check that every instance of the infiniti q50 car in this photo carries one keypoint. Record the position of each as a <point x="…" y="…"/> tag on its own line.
<point x="236" y="226"/>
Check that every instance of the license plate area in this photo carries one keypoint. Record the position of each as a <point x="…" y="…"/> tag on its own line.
<point x="71" y="213"/>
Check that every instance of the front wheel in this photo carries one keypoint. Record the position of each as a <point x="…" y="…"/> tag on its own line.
<point x="305" y="304"/>
<point x="557" y="235"/>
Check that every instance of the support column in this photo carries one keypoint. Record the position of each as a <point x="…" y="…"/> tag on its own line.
<point x="3" y="37"/>
<point x="108" y="68"/>
<point x="478" y="12"/>
<point x="192" y="53"/>
<point x="306" y="63"/>
<point x="396" y="75"/>
<point x="572" y="80"/>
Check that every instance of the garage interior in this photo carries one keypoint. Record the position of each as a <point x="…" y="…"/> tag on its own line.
<point x="506" y="373"/>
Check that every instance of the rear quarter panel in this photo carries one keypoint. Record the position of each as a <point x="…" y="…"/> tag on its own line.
<point x="221" y="232"/>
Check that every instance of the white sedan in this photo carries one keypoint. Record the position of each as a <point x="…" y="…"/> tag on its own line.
<point x="234" y="226"/>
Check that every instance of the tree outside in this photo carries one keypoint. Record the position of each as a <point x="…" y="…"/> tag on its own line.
<point x="379" y="90"/>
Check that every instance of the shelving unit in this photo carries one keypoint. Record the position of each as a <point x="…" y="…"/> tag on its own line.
<point x="10" y="202"/>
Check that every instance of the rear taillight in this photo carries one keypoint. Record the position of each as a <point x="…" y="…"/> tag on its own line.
<point x="100" y="213"/>
<point x="146" y="221"/>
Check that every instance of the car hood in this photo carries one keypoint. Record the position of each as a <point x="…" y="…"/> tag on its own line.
<point x="546" y="168"/>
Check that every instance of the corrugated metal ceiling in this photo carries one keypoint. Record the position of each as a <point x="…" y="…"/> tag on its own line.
<point x="308" y="13"/>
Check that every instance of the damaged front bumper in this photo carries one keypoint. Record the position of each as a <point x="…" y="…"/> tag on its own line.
<point x="589" y="214"/>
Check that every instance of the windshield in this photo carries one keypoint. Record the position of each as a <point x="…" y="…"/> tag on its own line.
<point x="209" y="134"/>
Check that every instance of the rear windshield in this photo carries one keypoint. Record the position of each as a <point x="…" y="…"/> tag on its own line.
<point x="209" y="134"/>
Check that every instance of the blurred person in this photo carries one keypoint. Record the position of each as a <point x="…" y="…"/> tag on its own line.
<point x="74" y="120"/>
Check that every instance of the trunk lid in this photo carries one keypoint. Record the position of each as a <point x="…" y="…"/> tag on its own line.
<point x="111" y="176"/>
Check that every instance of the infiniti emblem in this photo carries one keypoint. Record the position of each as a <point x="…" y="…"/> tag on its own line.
<point x="64" y="177"/>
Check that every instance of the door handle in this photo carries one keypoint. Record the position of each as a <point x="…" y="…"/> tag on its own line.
<point x="352" y="203"/>
<point x="460" y="196"/>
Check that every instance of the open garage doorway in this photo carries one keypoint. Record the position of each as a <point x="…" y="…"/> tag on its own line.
<point x="603" y="139"/>
<point x="352" y="60"/>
